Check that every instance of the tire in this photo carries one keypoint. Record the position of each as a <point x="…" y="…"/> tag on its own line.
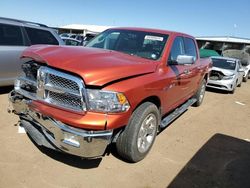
<point x="233" y="91"/>
<point x="245" y="78"/>
<point x="238" y="84"/>
<point x="134" y="143"/>
<point x="199" y="96"/>
<point x="248" y="74"/>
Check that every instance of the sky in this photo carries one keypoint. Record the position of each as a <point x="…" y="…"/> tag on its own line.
<point x="195" y="17"/>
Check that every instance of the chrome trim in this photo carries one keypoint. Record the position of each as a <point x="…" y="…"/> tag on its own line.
<point x="47" y="85"/>
<point x="60" y="92"/>
<point x="91" y="143"/>
<point x="23" y="80"/>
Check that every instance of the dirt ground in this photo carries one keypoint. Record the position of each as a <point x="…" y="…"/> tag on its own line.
<point x="22" y="164"/>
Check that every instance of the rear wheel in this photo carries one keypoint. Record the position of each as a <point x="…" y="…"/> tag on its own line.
<point x="199" y="96"/>
<point x="136" y="140"/>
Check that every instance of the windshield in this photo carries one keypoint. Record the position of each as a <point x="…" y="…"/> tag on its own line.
<point x="143" y="44"/>
<point x="224" y="64"/>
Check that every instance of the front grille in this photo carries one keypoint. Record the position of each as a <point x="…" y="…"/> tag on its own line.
<point x="54" y="87"/>
<point x="63" y="83"/>
<point x="216" y="85"/>
<point x="64" y="99"/>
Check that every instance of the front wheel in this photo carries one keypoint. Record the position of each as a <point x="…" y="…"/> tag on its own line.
<point x="136" y="140"/>
<point x="199" y="96"/>
<point x="233" y="91"/>
<point x="245" y="78"/>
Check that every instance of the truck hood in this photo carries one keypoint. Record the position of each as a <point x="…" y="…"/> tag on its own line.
<point x="226" y="72"/>
<point x="96" y="66"/>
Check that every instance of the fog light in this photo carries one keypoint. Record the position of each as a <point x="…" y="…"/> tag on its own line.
<point x="71" y="140"/>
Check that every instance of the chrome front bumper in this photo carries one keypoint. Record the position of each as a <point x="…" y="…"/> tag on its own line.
<point x="53" y="134"/>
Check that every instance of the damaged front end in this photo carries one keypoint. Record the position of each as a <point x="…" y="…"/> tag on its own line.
<point x="219" y="80"/>
<point x="216" y="75"/>
<point x="53" y="134"/>
<point x="43" y="85"/>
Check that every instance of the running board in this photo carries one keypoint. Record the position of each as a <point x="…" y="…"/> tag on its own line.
<point x="177" y="112"/>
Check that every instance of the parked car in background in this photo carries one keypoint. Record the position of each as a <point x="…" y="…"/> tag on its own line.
<point x="77" y="37"/>
<point x="246" y="71"/>
<point x="15" y="36"/>
<point x="72" y="35"/>
<point x="244" y="57"/>
<point x="87" y="38"/>
<point x="71" y="42"/>
<point x="83" y="39"/>
<point x="226" y="74"/>
<point x="65" y="35"/>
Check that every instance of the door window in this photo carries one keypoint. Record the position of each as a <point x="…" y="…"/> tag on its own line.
<point x="177" y="49"/>
<point x="10" y="35"/>
<point x="190" y="47"/>
<point x="39" y="36"/>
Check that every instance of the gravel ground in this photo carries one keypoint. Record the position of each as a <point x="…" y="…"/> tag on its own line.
<point x="22" y="164"/>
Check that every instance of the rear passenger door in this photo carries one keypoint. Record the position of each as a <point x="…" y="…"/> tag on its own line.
<point x="12" y="44"/>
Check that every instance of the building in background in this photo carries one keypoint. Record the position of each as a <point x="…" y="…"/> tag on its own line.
<point x="223" y="43"/>
<point x="82" y="29"/>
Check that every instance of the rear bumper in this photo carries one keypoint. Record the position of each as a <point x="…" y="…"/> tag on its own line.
<point x="54" y="134"/>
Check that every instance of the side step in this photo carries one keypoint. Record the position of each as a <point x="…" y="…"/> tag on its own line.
<point x="177" y="112"/>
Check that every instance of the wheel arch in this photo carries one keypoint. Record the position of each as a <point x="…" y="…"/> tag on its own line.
<point x="153" y="99"/>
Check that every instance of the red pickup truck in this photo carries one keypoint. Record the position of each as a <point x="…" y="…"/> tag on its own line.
<point x="122" y="88"/>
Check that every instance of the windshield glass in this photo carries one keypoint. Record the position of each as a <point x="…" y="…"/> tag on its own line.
<point x="224" y="64"/>
<point x="143" y="44"/>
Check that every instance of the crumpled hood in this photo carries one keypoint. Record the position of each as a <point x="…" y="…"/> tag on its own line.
<point x="226" y="72"/>
<point x="95" y="66"/>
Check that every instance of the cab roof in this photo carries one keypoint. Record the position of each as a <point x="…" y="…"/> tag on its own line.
<point x="161" y="31"/>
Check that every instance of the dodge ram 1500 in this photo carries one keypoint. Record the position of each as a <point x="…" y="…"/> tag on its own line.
<point x="122" y="88"/>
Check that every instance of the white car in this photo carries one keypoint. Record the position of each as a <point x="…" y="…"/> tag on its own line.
<point x="226" y="74"/>
<point x="246" y="72"/>
<point x="71" y="42"/>
<point x="244" y="56"/>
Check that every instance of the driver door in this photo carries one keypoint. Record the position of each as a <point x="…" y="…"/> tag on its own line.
<point x="178" y="76"/>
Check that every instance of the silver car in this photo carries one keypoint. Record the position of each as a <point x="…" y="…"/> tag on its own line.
<point x="226" y="74"/>
<point x="15" y="36"/>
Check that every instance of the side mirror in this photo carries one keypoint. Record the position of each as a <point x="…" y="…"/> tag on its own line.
<point x="185" y="59"/>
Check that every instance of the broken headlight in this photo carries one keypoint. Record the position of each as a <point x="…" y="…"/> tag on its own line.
<point x="229" y="77"/>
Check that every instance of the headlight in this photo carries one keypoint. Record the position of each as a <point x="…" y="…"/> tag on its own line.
<point x="107" y="101"/>
<point x="228" y="77"/>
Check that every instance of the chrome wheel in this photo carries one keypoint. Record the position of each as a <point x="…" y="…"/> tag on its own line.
<point x="147" y="133"/>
